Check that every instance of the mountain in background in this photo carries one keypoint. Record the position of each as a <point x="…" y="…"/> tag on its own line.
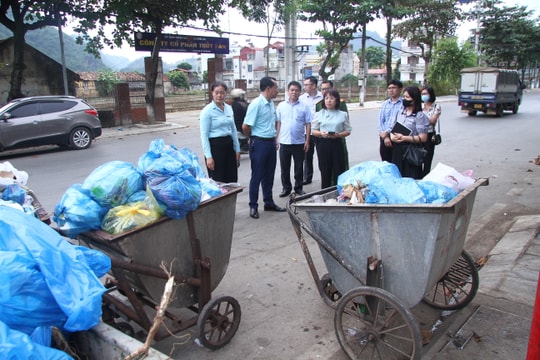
<point x="46" y="41"/>
<point x="374" y="39"/>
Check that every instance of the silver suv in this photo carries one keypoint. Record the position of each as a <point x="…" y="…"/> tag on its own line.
<point x="48" y="120"/>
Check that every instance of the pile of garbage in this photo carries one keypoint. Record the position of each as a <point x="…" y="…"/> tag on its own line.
<point x="380" y="182"/>
<point x="45" y="281"/>
<point x="118" y="196"/>
<point x="14" y="192"/>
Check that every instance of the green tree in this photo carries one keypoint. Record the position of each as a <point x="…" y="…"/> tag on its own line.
<point x="179" y="79"/>
<point x="340" y="21"/>
<point x="510" y="38"/>
<point x="431" y="21"/>
<point x="106" y="80"/>
<point x="375" y="56"/>
<point x="274" y="14"/>
<point x="448" y="60"/>
<point x="21" y="16"/>
<point x="349" y="80"/>
<point x="185" y="66"/>
<point x="391" y="10"/>
<point x="151" y="16"/>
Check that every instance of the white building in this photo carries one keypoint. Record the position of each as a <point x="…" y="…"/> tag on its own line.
<point x="412" y="64"/>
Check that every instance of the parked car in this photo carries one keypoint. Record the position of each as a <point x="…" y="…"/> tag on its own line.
<point x="48" y="120"/>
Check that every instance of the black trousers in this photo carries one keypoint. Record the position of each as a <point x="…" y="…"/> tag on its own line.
<point x="430" y="147"/>
<point x="331" y="155"/>
<point x="386" y="152"/>
<point x="225" y="165"/>
<point x="308" y="162"/>
<point x="296" y="153"/>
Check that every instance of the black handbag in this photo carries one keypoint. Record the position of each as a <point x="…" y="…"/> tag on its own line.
<point x="414" y="154"/>
<point x="436" y="138"/>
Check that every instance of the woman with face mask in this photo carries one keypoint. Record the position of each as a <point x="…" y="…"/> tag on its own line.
<point x="411" y="128"/>
<point x="433" y="112"/>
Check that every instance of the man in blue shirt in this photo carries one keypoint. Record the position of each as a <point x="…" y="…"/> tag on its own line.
<point x="293" y="129"/>
<point x="311" y="97"/>
<point x="387" y="118"/>
<point x="260" y="126"/>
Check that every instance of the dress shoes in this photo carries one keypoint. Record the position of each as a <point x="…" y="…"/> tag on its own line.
<point x="274" y="207"/>
<point x="306" y="182"/>
<point x="254" y="213"/>
<point x="285" y="193"/>
<point x="299" y="192"/>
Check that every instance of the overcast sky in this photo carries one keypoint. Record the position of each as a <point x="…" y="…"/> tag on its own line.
<point x="243" y="30"/>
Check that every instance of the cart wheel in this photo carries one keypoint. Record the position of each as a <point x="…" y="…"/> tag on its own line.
<point x="218" y="321"/>
<point x="329" y="289"/>
<point x="457" y="287"/>
<point x="370" y="323"/>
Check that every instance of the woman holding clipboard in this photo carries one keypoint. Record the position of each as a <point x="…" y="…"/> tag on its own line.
<point x="410" y="128"/>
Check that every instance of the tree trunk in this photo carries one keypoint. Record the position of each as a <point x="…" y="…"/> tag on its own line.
<point x="152" y="79"/>
<point x="388" y="49"/>
<point x="19" y="44"/>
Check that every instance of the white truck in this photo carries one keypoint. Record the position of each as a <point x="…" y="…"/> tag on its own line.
<point x="489" y="90"/>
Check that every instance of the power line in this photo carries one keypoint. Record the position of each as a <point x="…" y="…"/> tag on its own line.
<point x="299" y="38"/>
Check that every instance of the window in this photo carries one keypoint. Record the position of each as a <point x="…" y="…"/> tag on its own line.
<point x="48" y="107"/>
<point x="30" y="109"/>
<point x="250" y="68"/>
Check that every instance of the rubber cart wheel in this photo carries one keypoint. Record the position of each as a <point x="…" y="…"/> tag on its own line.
<point x="457" y="287"/>
<point x="370" y="323"/>
<point x="218" y="321"/>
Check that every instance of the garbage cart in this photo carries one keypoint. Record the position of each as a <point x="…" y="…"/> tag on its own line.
<point x="383" y="259"/>
<point x="195" y="250"/>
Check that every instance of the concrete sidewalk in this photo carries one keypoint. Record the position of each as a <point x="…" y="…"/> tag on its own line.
<point x="496" y="325"/>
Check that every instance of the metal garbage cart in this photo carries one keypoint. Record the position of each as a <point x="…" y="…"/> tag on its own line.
<point x="383" y="259"/>
<point x="196" y="250"/>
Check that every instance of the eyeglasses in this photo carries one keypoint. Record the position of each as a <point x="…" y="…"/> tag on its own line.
<point x="325" y="89"/>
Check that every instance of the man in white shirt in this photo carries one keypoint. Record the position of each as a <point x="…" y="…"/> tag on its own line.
<point x="311" y="97"/>
<point x="293" y="129"/>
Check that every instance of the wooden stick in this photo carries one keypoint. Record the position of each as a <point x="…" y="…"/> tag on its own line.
<point x="142" y="352"/>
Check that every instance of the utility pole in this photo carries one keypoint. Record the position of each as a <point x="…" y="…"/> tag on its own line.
<point x="62" y="51"/>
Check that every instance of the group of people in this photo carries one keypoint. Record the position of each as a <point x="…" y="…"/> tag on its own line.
<point x="317" y="120"/>
<point x="418" y="112"/>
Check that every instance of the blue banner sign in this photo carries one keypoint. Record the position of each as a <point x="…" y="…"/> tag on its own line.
<point x="182" y="43"/>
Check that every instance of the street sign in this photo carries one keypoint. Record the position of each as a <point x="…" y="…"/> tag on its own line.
<point x="182" y="43"/>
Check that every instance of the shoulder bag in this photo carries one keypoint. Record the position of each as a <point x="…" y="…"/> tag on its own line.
<point x="414" y="154"/>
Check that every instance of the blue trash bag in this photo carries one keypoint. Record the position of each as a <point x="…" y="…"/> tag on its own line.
<point x="210" y="188"/>
<point x="15" y="193"/>
<point x="78" y="212"/>
<point x="366" y="173"/>
<point x="173" y="185"/>
<point x="392" y="190"/>
<point x="16" y="345"/>
<point x="45" y="280"/>
<point x="111" y="184"/>
<point x="185" y="156"/>
<point x="436" y="193"/>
